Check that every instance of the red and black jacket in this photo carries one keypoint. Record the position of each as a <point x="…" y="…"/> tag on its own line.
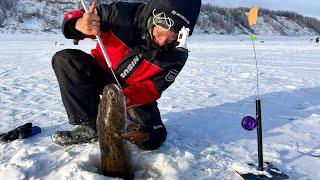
<point x="145" y="72"/>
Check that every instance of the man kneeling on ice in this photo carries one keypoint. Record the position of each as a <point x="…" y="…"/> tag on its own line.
<point x="141" y="41"/>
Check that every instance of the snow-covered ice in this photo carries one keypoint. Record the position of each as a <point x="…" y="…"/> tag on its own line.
<point x="202" y="111"/>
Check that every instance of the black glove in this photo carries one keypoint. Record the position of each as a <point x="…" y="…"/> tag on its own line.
<point x="20" y="132"/>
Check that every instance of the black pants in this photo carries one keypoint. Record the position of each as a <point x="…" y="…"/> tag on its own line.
<point x="81" y="81"/>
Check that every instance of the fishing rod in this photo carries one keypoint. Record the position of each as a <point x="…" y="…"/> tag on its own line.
<point x="250" y="123"/>
<point x="104" y="52"/>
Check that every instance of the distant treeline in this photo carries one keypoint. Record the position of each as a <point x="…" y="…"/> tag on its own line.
<point x="214" y="17"/>
<point x="4" y="5"/>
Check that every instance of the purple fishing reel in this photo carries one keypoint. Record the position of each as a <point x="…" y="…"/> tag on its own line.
<point x="249" y="123"/>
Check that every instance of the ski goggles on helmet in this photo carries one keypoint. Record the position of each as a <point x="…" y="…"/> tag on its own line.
<point x="166" y="23"/>
<point x="162" y="20"/>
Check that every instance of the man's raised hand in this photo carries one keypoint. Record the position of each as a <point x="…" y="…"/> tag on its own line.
<point x="89" y="23"/>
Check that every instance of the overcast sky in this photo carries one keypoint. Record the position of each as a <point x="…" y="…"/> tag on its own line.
<point x="305" y="7"/>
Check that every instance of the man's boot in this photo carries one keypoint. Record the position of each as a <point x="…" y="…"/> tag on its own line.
<point x="82" y="134"/>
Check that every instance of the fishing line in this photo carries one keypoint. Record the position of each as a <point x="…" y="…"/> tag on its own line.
<point x="257" y="68"/>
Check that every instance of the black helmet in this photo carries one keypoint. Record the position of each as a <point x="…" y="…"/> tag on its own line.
<point x="182" y="12"/>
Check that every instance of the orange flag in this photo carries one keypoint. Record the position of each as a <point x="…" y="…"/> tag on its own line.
<point x="253" y="16"/>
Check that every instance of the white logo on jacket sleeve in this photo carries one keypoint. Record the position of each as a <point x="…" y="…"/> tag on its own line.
<point x="131" y="66"/>
<point x="172" y="75"/>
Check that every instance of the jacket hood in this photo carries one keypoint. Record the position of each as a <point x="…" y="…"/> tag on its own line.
<point x="182" y="12"/>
